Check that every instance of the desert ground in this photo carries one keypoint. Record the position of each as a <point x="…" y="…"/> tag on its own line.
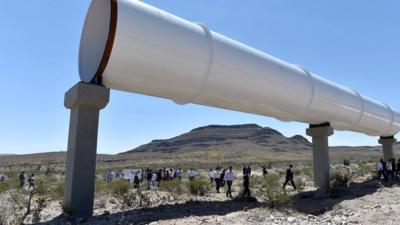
<point x="358" y="197"/>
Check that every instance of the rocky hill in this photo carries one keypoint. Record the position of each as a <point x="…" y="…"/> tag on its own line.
<point x="222" y="137"/>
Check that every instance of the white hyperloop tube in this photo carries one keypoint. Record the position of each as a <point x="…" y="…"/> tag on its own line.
<point x="131" y="46"/>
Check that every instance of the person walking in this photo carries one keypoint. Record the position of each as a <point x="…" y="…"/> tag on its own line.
<point x="109" y="176"/>
<point x="221" y="177"/>
<point x="246" y="185"/>
<point x="228" y="178"/>
<point x="167" y="176"/>
<point x="211" y="175"/>
<point x="179" y="173"/>
<point x="248" y="170"/>
<point x="136" y="180"/>
<point x="22" y="179"/>
<point x="264" y="170"/>
<point x="154" y="178"/>
<point x="389" y="168"/>
<point x="191" y="174"/>
<point x="380" y="169"/>
<point x="394" y="168"/>
<point x="217" y="179"/>
<point x="398" y="168"/>
<point x="289" y="177"/>
<point x="149" y="175"/>
<point x="31" y="182"/>
<point x="132" y="178"/>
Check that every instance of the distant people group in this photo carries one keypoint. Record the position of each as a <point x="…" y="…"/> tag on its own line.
<point x="388" y="169"/>
<point x="23" y="178"/>
<point x="219" y="177"/>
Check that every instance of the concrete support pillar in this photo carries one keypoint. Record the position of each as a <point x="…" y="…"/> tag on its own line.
<point x="387" y="144"/>
<point x="320" y="134"/>
<point x="85" y="101"/>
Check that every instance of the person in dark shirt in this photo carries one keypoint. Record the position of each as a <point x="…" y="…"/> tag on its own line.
<point x="393" y="173"/>
<point x="148" y="177"/>
<point x="244" y="170"/>
<point x="385" y="171"/>
<point x="222" y="178"/>
<point x="31" y="182"/>
<point x="264" y="170"/>
<point x="22" y="179"/>
<point x="246" y="185"/>
<point x="248" y="170"/>
<point x="136" y="180"/>
<point x="289" y="177"/>
<point x="398" y="168"/>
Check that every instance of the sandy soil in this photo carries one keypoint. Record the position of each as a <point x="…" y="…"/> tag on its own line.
<point x="366" y="202"/>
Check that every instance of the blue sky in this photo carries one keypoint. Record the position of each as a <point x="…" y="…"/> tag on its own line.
<point x="354" y="43"/>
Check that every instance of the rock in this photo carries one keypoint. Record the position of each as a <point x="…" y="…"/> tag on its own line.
<point x="310" y="217"/>
<point x="291" y="219"/>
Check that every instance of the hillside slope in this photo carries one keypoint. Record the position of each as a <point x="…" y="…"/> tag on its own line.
<point x="246" y="136"/>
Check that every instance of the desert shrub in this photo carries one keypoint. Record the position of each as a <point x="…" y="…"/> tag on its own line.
<point x="41" y="203"/>
<point x="346" y="162"/>
<point x="271" y="181"/>
<point x="340" y="178"/>
<point x="42" y="187"/>
<point x="51" y="179"/>
<point x="300" y="184"/>
<point x="4" y="186"/>
<point x="57" y="190"/>
<point x="136" y="198"/>
<point x="119" y="188"/>
<point x="297" y="171"/>
<point x="68" y="210"/>
<point x="199" y="187"/>
<point x="307" y="170"/>
<point x="11" y="183"/>
<point x="271" y="190"/>
<point x="143" y="198"/>
<point x="127" y="199"/>
<point x="175" y="187"/>
<point x="278" y="198"/>
<point x="101" y="186"/>
<point x="364" y="168"/>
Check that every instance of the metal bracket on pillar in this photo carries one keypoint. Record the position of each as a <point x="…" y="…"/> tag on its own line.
<point x="320" y="134"/>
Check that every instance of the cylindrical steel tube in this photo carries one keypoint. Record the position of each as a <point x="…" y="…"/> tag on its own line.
<point x="137" y="48"/>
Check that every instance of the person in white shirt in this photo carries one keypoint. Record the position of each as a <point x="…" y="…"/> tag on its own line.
<point x="228" y="178"/>
<point x="389" y="168"/>
<point x="179" y="173"/>
<point x="153" y="179"/>
<point x="217" y="178"/>
<point x="380" y="169"/>
<point x="131" y="177"/>
<point x="211" y="175"/>
<point x="191" y="174"/>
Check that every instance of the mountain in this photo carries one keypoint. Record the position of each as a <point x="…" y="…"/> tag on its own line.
<point x="221" y="137"/>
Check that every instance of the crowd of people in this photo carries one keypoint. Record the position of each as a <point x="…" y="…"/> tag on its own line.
<point x="218" y="176"/>
<point x="388" y="169"/>
<point x="151" y="179"/>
